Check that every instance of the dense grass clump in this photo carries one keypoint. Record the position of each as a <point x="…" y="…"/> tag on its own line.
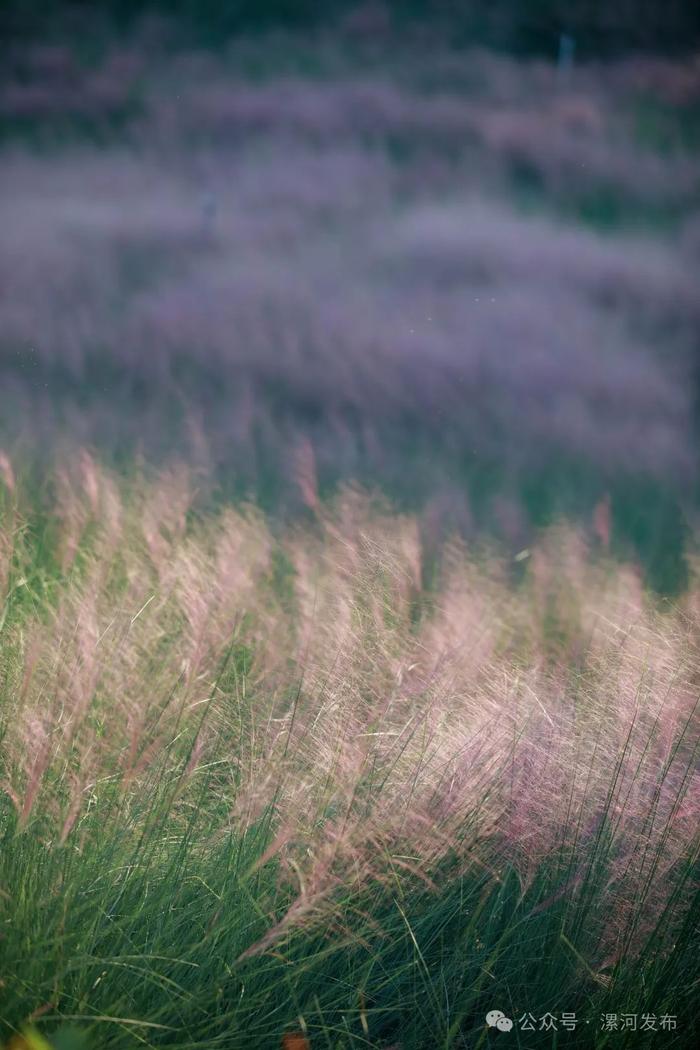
<point x="256" y="783"/>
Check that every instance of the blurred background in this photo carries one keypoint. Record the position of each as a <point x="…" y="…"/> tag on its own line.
<point x="450" y="251"/>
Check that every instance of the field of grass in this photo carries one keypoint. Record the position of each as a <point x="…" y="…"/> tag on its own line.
<point x="349" y="577"/>
<point x="255" y="783"/>
<point x="468" y="279"/>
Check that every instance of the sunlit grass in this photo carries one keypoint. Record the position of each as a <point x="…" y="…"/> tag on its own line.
<point x="257" y="785"/>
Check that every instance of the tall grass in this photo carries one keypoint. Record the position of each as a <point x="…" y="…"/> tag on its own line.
<point x="462" y="276"/>
<point x="256" y="782"/>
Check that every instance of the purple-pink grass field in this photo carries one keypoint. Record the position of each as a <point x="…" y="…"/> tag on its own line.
<point x="349" y="578"/>
<point x="445" y="271"/>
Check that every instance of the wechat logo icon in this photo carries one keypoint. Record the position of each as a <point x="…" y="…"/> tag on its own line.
<point x="497" y="1019"/>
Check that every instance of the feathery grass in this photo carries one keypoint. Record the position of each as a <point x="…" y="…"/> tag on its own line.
<point x="257" y="784"/>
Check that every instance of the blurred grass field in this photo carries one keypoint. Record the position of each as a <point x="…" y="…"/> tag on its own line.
<point x="349" y="584"/>
<point x="466" y="278"/>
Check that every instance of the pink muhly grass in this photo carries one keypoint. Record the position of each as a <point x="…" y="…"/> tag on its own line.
<point x="369" y="734"/>
<point x="38" y="744"/>
<point x="7" y="474"/>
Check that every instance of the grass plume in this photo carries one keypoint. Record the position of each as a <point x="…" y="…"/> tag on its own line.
<point x="251" y="780"/>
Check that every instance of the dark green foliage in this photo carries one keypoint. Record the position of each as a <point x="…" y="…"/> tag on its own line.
<point x="597" y="26"/>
